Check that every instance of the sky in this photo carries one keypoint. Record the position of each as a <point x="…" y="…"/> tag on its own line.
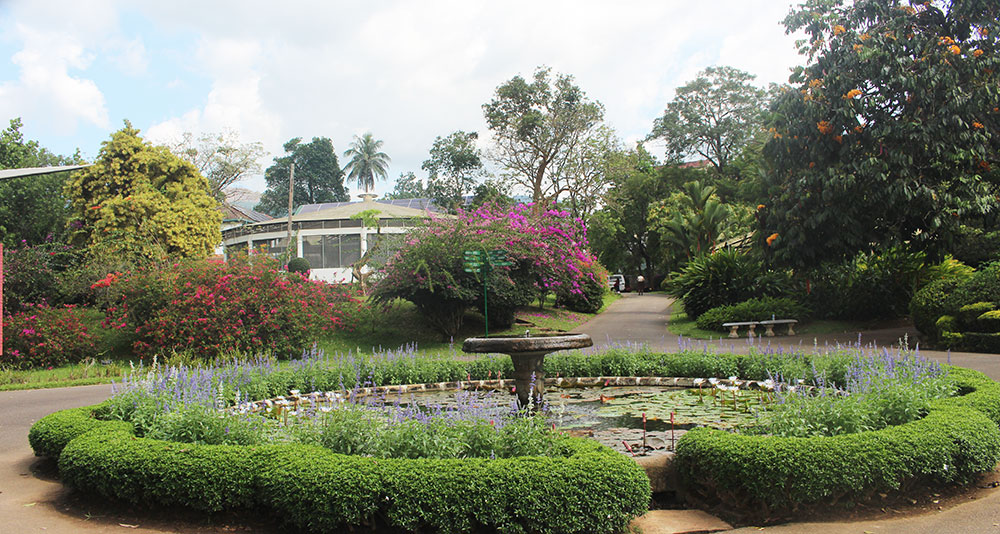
<point x="407" y="71"/>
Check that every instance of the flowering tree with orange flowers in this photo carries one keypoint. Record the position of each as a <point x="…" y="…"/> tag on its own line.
<point x="891" y="132"/>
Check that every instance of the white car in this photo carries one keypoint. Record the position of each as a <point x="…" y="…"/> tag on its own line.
<point x="621" y="282"/>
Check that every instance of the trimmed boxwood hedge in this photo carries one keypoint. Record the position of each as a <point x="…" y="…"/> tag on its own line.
<point x="770" y="477"/>
<point x="586" y="488"/>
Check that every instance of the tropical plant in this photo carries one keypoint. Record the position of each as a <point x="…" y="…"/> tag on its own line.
<point x="367" y="161"/>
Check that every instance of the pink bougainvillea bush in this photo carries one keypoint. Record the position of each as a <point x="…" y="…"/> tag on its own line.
<point x="40" y="336"/>
<point x="546" y="247"/>
<point x="212" y="307"/>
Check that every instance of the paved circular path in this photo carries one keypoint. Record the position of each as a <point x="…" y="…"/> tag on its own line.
<point x="31" y="500"/>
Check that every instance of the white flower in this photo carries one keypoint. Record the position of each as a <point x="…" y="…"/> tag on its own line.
<point x="699" y="381"/>
<point x="294" y="392"/>
<point x="732" y="379"/>
<point x="713" y="381"/>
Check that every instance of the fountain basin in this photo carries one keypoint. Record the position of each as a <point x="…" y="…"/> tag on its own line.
<point x="528" y="354"/>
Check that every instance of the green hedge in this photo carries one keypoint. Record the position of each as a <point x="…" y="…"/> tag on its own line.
<point x="771" y="476"/>
<point x="757" y="309"/>
<point x="588" y="488"/>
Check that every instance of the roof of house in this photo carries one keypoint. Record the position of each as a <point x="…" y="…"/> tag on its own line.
<point x="389" y="209"/>
<point x="235" y="212"/>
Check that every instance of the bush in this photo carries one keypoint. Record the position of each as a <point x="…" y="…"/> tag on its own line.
<point x="876" y="285"/>
<point x="585" y="488"/>
<point x="976" y="247"/>
<point x="724" y="277"/>
<point x="31" y="275"/>
<point x="210" y="308"/>
<point x="968" y="315"/>
<point x="42" y="336"/>
<point x="752" y="310"/>
<point x="592" y="288"/>
<point x="929" y="304"/>
<point x="769" y="477"/>
<point x="299" y="265"/>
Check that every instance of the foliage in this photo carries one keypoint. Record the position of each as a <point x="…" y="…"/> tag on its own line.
<point x="547" y="249"/>
<point x="593" y="165"/>
<point x="143" y="200"/>
<point x="975" y="247"/>
<point x="299" y="265"/>
<point x="367" y="161"/>
<point x="723" y="277"/>
<point x="929" y="304"/>
<point x="453" y="168"/>
<point x="691" y="223"/>
<point x="407" y="186"/>
<point x="536" y="127"/>
<point x="890" y="135"/>
<point x="32" y="208"/>
<point x="875" y="285"/>
<point x="318" y="177"/>
<point x="755" y="309"/>
<point x="43" y="336"/>
<point x="713" y="116"/>
<point x="221" y="158"/>
<point x="621" y="233"/>
<point x="32" y="274"/>
<point x="769" y="477"/>
<point x="211" y="308"/>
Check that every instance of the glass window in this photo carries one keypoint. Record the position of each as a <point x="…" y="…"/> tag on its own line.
<point x="350" y="249"/>
<point x="310" y="225"/>
<point x="312" y="250"/>
<point x="331" y="251"/>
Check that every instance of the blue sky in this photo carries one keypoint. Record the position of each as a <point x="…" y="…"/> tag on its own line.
<point x="406" y="71"/>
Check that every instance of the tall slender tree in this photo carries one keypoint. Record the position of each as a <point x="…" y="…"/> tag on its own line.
<point x="367" y="161"/>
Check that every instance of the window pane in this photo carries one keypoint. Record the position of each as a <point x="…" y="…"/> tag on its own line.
<point x="331" y="251"/>
<point x="350" y="249"/>
<point x="312" y="250"/>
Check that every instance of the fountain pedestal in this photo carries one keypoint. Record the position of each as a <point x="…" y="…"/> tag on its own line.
<point x="528" y="355"/>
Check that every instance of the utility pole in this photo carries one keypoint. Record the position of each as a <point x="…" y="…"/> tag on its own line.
<point x="291" y="189"/>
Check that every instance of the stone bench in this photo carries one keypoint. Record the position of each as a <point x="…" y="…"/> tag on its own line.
<point x="735" y="327"/>
<point x="770" y="326"/>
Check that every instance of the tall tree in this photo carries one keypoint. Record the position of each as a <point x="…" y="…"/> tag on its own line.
<point x="407" y="186"/>
<point x="590" y="167"/>
<point x="713" y="116"/>
<point x="893" y="131"/>
<point x="142" y="199"/>
<point x="454" y="168"/>
<point x="691" y="222"/>
<point x="221" y="158"/>
<point x="32" y="208"/>
<point x="368" y="162"/>
<point x="318" y="177"/>
<point x="536" y="128"/>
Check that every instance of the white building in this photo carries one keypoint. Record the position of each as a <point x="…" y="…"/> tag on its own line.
<point x="327" y="235"/>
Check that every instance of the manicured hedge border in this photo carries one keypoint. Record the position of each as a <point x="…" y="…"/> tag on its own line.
<point x="771" y="477"/>
<point x="590" y="488"/>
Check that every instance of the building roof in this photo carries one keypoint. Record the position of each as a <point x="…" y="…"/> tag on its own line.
<point x="390" y="209"/>
<point x="235" y="212"/>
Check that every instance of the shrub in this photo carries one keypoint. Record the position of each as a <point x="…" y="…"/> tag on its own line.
<point x="43" y="336"/>
<point x="989" y="322"/>
<point x="211" y="308"/>
<point x="547" y="250"/>
<point x="929" y="304"/>
<point x="769" y="477"/>
<point x="31" y="274"/>
<point x="592" y="288"/>
<point x="299" y="265"/>
<point x="877" y="285"/>
<point x="586" y="487"/>
<point x="968" y="315"/>
<point x="724" y="277"/>
<point x="976" y="247"/>
<point x="752" y="310"/>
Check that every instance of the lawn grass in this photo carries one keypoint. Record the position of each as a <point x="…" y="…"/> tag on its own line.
<point x="680" y="324"/>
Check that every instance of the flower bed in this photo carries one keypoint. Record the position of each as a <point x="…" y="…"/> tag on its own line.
<point x="579" y="487"/>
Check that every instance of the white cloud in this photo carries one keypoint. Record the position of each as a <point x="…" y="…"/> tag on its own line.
<point x="129" y="55"/>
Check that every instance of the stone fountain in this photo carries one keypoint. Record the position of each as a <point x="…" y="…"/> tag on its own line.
<point x="528" y="353"/>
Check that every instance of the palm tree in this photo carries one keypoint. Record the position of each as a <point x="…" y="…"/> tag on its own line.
<point x="366" y="161"/>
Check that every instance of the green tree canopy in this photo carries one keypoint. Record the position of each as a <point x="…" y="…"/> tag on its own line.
<point x="891" y="134"/>
<point x="221" y="158"/>
<point x="454" y="168"/>
<point x="713" y="116"/>
<point x="318" y="177"/>
<point x="367" y="161"/>
<point x="536" y="128"/>
<point x="32" y="208"/>
<point x="142" y="199"/>
<point x="407" y="186"/>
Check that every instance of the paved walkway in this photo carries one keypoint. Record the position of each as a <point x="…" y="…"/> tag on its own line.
<point x="33" y="501"/>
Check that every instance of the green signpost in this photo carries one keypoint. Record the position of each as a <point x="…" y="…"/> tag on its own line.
<point x="482" y="262"/>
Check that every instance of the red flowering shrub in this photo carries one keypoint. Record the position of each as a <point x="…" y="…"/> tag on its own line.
<point x="41" y="336"/>
<point x="208" y="308"/>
